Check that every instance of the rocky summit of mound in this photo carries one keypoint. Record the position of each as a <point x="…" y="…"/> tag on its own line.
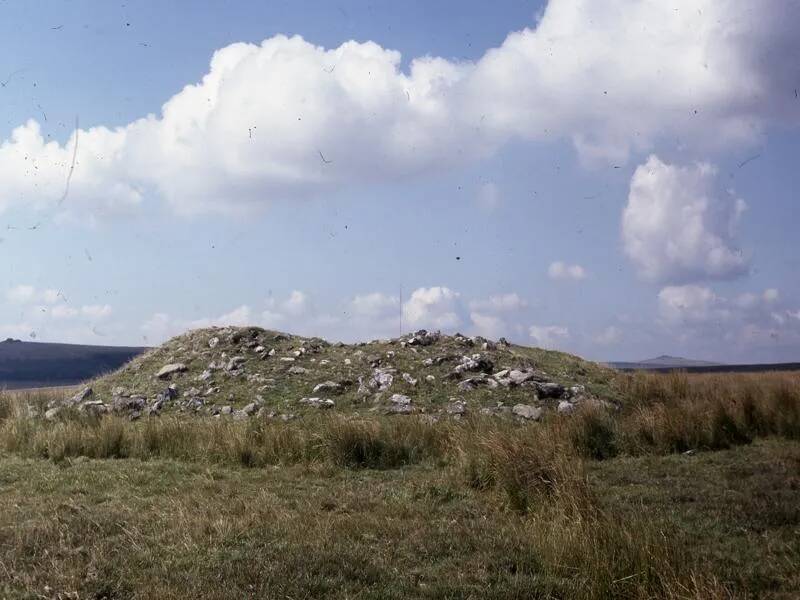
<point x="244" y="372"/>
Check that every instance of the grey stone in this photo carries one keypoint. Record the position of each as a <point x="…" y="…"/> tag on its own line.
<point x="171" y="369"/>
<point x="575" y="391"/>
<point x="321" y="403"/>
<point x="423" y="338"/>
<point x="234" y="363"/>
<point x="565" y="407"/>
<point x="518" y="377"/>
<point x="123" y="404"/>
<point x="526" y="411"/>
<point x="328" y="386"/>
<point x="81" y="396"/>
<point x="474" y="363"/>
<point x="382" y="379"/>
<point x="457" y="407"/>
<point x="400" y="399"/>
<point x="409" y="379"/>
<point x="93" y="407"/>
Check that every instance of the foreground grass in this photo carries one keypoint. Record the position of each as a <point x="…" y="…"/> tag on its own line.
<point x="165" y="529"/>
<point x="691" y="490"/>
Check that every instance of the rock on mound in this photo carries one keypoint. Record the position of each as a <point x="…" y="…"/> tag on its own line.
<point x="249" y="371"/>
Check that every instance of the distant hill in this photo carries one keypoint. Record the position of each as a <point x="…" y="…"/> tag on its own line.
<point x="677" y="361"/>
<point x="672" y="363"/>
<point x="39" y="364"/>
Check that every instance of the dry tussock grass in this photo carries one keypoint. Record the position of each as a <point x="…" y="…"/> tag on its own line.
<point x="536" y="472"/>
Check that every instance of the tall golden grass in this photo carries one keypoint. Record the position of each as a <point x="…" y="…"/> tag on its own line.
<point x="661" y="414"/>
<point x="537" y="470"/>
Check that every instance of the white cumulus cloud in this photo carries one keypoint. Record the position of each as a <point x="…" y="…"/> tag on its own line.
<point x="433" y="308"/>
<point x="286" y="119"/>
<point x="679" y="226"/>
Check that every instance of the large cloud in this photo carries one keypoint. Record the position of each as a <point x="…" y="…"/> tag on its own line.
<point x="679" y="226"/>
<point x="286" y="119"/>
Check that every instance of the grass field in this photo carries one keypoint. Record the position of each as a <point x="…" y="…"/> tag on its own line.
<point x="691" y="490"/>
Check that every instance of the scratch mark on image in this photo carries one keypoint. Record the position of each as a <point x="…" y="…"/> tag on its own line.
<point x="72" y="165"/>
<point x="748" y="160"/>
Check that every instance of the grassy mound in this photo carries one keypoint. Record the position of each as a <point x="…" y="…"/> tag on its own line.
<point x="228" y="369"/>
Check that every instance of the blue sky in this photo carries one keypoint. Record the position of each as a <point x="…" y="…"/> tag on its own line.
<point x="616" y="179"/>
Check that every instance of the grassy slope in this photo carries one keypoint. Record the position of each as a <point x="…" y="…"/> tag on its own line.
<point x="165" y="529"/>
<point x="281" y="390"/>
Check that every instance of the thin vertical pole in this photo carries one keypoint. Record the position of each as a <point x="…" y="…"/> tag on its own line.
<point x="401" y="310"/>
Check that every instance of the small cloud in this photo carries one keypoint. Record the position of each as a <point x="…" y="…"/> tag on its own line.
<point x="96" y="311"/>
<point x="433" y="307"/>
<point x="499" y="303"/>
<point x="375" y="306"/>
<point x="63" y="311"/>
<point x="28" y="294"/>
<point x="548" y="336"/>
<point x="489" y="326"/>
<point x="21" y="294"/>
<point x="561" y="271"/>
<point x="296" y="304"/>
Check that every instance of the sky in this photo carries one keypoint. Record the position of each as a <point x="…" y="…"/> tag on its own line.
<point x="616" y="179"/>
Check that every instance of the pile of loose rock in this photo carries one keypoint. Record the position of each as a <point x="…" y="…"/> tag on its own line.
<point x="228" y="373"/>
